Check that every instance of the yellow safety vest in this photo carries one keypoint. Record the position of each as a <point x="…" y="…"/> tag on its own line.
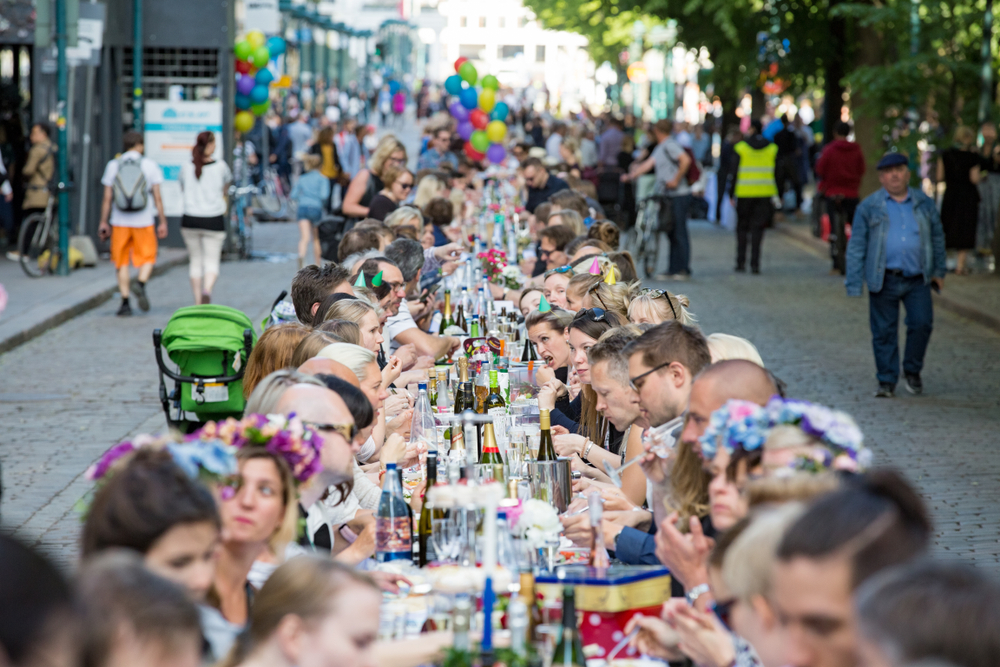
<point x="755" y="177"/>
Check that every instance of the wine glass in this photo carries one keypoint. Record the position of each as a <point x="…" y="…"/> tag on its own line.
<point x="444" y="536"/>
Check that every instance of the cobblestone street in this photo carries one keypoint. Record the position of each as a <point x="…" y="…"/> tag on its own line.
<point x="69" y="394"/>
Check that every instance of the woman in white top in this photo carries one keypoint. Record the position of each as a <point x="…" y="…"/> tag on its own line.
<point x="204" y="183"/>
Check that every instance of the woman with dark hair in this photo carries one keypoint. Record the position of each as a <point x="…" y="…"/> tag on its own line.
<point x="204" y="182"/>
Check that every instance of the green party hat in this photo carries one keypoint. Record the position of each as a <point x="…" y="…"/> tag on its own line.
<point x="544" y="306"/>
<point x="377" y="280"/>
<point x="360" y="282"/>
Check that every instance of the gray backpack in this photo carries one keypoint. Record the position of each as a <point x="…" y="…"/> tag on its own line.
<point x="129" y="188"/>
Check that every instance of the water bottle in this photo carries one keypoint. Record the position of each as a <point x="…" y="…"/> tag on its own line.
<point x="423" y="429"/>
<point x="393" y="526"/>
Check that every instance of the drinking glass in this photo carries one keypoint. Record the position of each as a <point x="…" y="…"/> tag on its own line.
<point x="515" y="453"/>
<point x="445" y="537"/>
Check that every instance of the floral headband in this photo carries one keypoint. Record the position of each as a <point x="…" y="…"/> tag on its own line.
<point x="743" y="425"/>
<point x="206" y="460"/>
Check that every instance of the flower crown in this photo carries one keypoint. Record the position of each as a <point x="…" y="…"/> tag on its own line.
<point x="206" y="460"/>
<point x="743" y="425"/>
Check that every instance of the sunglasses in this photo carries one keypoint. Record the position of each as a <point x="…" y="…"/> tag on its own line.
<point x="593" y="290"/>
<point x="346" y="430"/>
<point x="559" y="269"/>
<point x="632" y="381"/>
<point x="406" y="186"/>
<point x="657" y="293"/>
<point x="595" y="314"/>
<point x="724" y="610"/>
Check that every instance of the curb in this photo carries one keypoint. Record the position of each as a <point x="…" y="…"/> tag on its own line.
<point x="943" y="301"/>
<point x="78" y="308"/>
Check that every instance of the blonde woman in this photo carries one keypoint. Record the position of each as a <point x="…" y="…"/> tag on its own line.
<point x="429" y="187"/>
<point x="362" y="314"/>
<point x="403" y="216"/>
<point x="397" y="184"/>
<point x="724" y="346"/>
<point x="657" y="306"/>
<point x="368" y="182"/>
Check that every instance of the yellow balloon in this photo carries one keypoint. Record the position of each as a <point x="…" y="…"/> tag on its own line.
<point x="496" y="131"/>
<point x="256" y="38"/>
<point x="243" y="121"/>
<point x="487" y="100"/>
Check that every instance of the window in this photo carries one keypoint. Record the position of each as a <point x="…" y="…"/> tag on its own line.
<point x="507" y="52"/>
<point x="463" y="22"/>
<point x="501" y="22"/>
<point x="482" y="21"/>
<point x="472" y="51"/>
<point x="540" y="54"/>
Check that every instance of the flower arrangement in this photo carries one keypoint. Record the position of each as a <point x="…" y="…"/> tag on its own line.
<point x="498" y="271"/>
<point x="538" y="523"/>
<point x="207" y="460"/>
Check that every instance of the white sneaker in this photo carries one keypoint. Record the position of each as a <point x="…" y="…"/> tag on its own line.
<point x="14" y="256"/>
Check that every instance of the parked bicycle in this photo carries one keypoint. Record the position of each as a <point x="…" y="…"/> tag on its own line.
<point x="38" y="242"/>
<point x="644" y="237"/>
<point x="270" y="194"/>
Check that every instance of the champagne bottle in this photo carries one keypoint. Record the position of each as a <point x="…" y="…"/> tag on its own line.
<point x="432" y="388"/>
<point x="491" y="451"/>
<point x="446" y="320"/>
<point x="527" y="596"/>
<point x="546" y="450"/>
<point x="425" y="524"/>
<point x="393" y="528"/>
<point x="569" y="650"/>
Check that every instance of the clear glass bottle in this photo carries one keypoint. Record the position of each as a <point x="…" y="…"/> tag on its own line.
<point x="393" y="527"/>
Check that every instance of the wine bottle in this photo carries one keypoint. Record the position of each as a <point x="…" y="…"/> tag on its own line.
<point x="491" y="451"/>
<point x="569" y="649"/>
<point x="425" y="524"/>
<point x="546" y="450"/>
<point x="527" y="596"/>
<point x="432" y="388"/>
<point x="446" y="320"/>
<point x="494" y="400"/>
<point x="482" y="390"/>
<point x="393" y="529"/>
<point x="599" y="557"/>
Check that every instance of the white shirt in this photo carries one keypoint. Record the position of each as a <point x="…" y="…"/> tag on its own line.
<point x="154" y="176"/>
<point x="552" y="145"/>
<point x="397" y="324"/>
<point x="203" y="197"/>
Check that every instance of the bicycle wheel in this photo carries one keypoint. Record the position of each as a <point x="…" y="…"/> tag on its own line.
<point x="650" y="242"/>
<point x="37" y="247"/>
<point x="269" y="196"/>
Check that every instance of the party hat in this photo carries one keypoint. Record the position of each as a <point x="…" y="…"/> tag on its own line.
<point x="377" y="280"/>
<point x="610" y="278"/>
<point x="360" y="282"/>
<point x="595" y="268"/>
<point x="544" y="306"/>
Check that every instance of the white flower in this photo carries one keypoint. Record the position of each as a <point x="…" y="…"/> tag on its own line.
<point x="538" y="523"/>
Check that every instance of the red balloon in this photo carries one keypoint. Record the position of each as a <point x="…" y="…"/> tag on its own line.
<point x="458" y="63"/>
<point x="479" y="119"/>
<point x="243" y="67"/>
<point x="473" y="153"/>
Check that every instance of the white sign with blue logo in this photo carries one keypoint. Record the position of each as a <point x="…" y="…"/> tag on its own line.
<point x="171" y="129"/>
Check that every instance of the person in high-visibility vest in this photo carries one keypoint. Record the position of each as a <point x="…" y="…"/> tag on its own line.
<point x="753" y="188"/>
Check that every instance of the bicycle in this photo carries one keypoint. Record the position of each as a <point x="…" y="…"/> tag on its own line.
<point x="644" y="237"/>
<point x="270" y="194"/>
<point x="38" y="242"/>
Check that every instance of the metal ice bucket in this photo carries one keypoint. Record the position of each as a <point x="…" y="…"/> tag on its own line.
<point x="551" y="481"/>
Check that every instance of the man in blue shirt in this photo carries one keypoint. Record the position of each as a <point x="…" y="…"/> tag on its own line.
<point x="897" y="247"/>
<point x="437" y="153"/>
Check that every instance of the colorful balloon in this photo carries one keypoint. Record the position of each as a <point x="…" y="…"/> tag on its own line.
<point x="496" y="153"/>
<point x="478" y="119"/>
<point x="276" y="45"/>
<point x="242" y="101"/>
<point x="468" y="72"/>
<point x="260" y="57"/>
<point x="244" y="121"/>
<point x="487" y="100"/>
<point x="459" y="62"/>
<point x="245" y="84"/>
<point x="458" y="112"/>
<point x="469" y="98"/>
<point x="256" y="38"/>
<point x="453" y="84"/>
<point x="259" y="94"/>
<point x="473" y="153"/>
<point x="479" y="141"/>
<point x="465" y="130"/>
<point x="393" y="87"/>
<point x="490" y="81"/>
<point x="243" y="67"/>
<point x="264" y="77"/>
<point x="243" y="49"/>
<point x="496" y="131"/>
<point x="260" y="109"/>
<point x="500" y="112"/>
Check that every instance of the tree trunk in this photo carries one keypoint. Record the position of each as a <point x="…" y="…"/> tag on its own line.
<point x="868" y="129"/>
<point x="833" y="89"/>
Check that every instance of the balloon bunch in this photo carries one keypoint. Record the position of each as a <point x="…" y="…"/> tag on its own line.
<point x="482" y="120"/>
<point x="253" y="53"/>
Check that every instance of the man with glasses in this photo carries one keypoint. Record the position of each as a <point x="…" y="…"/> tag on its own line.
<point x="540" y="184"/>
<point x="552" y="243"/>
<point x="438" y="154"/>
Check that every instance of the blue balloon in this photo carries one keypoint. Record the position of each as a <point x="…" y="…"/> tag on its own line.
<point x="258" y="94"/>
<point x="264" y="77"/>
<point x="469" y="98"/>
<point x="453" y="84"/>
<point x="276" y="45"/>
<point x="500" y="112"/>
<point x="242" y="102"/>
<point x="393" y="87"/>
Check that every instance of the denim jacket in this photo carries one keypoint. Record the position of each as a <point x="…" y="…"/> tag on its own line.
<point x="866" y="249"/>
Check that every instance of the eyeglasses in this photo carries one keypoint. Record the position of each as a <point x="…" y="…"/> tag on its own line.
<point x="406" y="186"/>
<point x="657" y="293"/>
<point x="724" y="610"/>
<point x="346" y="430"/>
<point x="593" y="290"/>
<point x="566" y="268"/>
<point x="396" y="160"/>
<point x="632" y="381"/>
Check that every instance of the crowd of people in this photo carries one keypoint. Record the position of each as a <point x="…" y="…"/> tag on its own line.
<point x="785" y="545"/>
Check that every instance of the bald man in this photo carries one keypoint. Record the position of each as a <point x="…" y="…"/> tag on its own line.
<point x="324" y="366"/>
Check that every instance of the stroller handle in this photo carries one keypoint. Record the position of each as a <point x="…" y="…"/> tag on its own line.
<point x="157" y="346"/>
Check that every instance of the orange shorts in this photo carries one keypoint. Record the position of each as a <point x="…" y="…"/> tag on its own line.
<point x="139" y="242"/>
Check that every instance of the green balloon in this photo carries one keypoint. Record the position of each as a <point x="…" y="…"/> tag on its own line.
<point x="243" y="50"/>
<point x="490" y="81"/>
<point x="479" y="141"/>
<point x="468" y="73"/>
<point x="260" y="57"/>
<point x="260" y="109"/>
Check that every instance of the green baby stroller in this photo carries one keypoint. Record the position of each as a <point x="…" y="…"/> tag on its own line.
<point x="210" y="345"/>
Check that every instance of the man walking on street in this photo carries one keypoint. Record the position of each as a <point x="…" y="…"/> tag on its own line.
<point x="897" y="247"/>
<point x="131" y="188"/>
<point x="670" y="163"/>
<point x="840" y="168"/>
<point x="754" y="187"/>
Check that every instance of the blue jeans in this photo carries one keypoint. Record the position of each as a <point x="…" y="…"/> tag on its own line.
<point x="680" y="244"/>
<point x="884" y="317"/>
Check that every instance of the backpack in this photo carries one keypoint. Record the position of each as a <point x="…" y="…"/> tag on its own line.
<point x="694" y="171"/>
<point x="129" y="188"/>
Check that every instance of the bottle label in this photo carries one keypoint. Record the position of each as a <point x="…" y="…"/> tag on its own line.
<point x="393" y="537"/>
<point x="501" y="426"/>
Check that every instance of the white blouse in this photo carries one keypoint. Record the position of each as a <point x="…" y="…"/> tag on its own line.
<point x="204" y="197"/>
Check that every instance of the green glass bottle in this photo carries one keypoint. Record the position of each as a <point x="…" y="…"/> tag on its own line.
<point x="546" y="450"/>
<point x="446" y="320"/>
<point x="494" y="399"/>
<point x="569" y="649"/>
<point x="432" y="388"/>
<point x="491" y="452"/>
<point x="425" y="524"/>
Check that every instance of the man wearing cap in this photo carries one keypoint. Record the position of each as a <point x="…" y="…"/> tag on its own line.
<point x="897" y="247"/>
